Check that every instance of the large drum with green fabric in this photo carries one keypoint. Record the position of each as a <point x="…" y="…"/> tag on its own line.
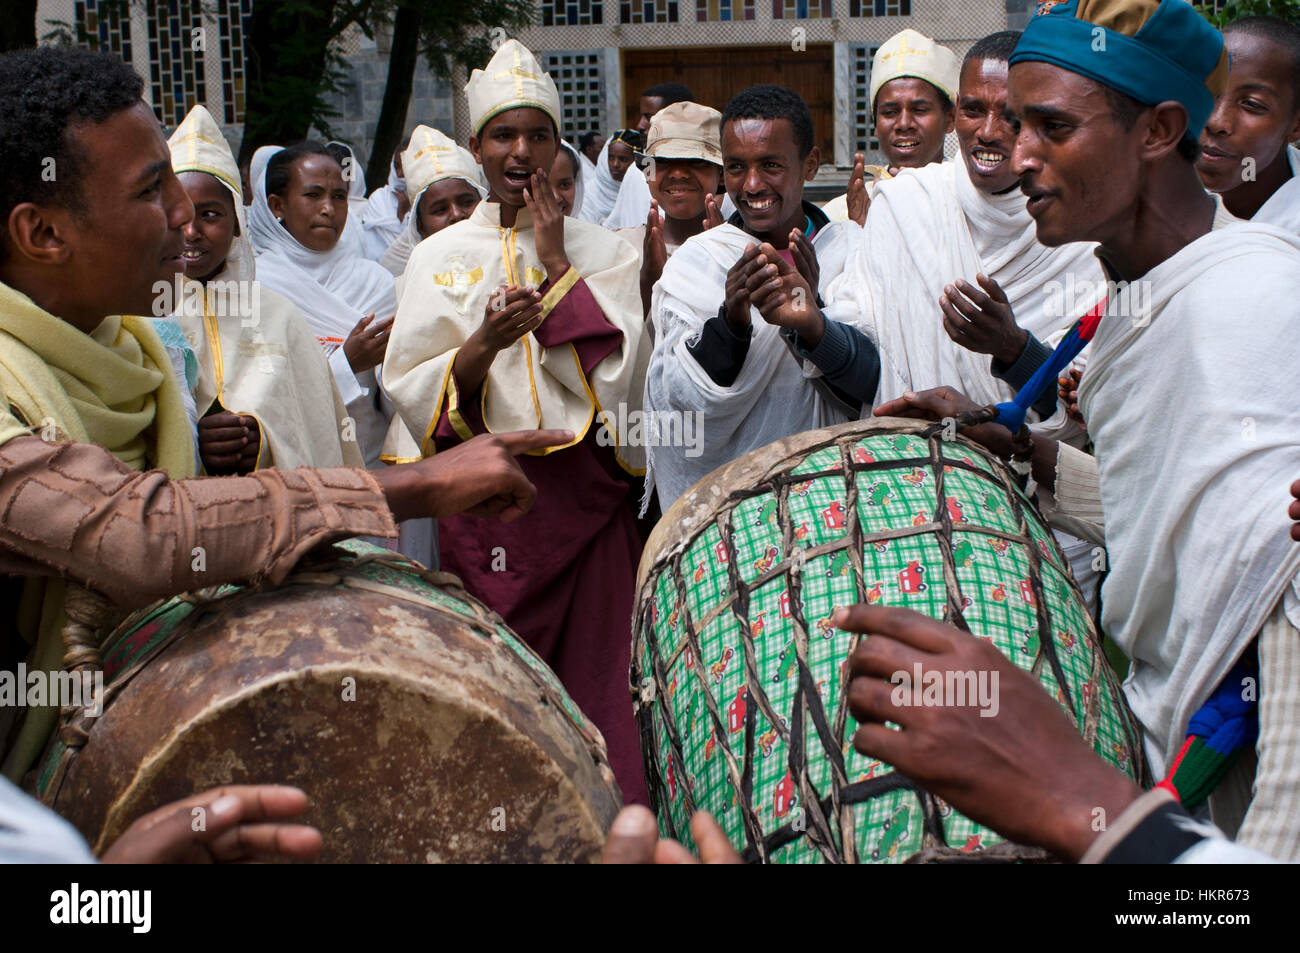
<point x="739" y="672"/>
<point x="419" y="725"/>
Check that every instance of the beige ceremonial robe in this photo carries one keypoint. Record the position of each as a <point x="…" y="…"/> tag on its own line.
<point x="448" y="281"/>
<point x="265" y="362"/>
<point x="562" y="576"/>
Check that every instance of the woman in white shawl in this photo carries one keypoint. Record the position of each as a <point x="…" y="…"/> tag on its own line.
<point x="298" y="220"/>
<point x="618" y="200"/>
<point x="256" y="366"/>
<point x="448" y="185"/>
<point x="567" y="176"/>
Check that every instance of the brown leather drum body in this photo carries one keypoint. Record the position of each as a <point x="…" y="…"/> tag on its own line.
<point x="421" y="728"/>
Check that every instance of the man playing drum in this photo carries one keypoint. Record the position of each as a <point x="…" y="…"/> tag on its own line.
<point x="94" y="442"/>
<point x="1190" y="408"/>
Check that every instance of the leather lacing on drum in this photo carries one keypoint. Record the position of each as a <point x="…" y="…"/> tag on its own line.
<point x="652" y="688"/>
<point x="319" y="568"/>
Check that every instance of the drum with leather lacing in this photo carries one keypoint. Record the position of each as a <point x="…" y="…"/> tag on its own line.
<point x="419" y="725"/>
<point x="739" y="670"/>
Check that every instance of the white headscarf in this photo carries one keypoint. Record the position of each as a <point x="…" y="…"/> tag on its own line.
<point x="616" y="204"/>
<point x="334" y="289"/>
<point x="601" y="194"/>
<point x="354" y="232"/>
<point x="379" y="217"/>
<point x="579" y="173"/>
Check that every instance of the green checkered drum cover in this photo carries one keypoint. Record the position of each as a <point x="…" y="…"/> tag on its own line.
<point x="739" y="672"/>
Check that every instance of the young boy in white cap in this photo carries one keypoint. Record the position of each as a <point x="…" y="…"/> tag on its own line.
<point x="445" y="185"/>
<point x="913" y="92"/>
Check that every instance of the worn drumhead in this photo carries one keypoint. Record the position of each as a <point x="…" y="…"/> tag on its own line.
<point x="419" y="726"/>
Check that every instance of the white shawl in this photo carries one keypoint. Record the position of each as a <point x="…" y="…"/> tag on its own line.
<point x="603" y="191"/>
<point x="333" y="290"/>
<point x="354" y="232"/>
<point x="925" y="229"/>
<point x="770" y="399"/>
<point x="632" y="207"/>
<point x="588" y="167"/>
<point x="615" y="204"/>
<point x="1283" y="207"/>
<point x="580" y="174"/>
<point x="1197" y="432"/>
<point x="379" y="219"/>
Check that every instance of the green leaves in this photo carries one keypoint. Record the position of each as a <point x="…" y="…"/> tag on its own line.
<point x="1288" y="10"/>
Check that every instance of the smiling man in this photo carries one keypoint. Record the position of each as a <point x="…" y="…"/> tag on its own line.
<point x="949" y="255"/>
<point x="1191" y="409"/>
<point x="1248" y="152"/>
<point x="931" y="234"/>
<point x="754" y="379"/>
<point x="913" y="80"/>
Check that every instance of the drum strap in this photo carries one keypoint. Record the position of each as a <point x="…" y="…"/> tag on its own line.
<point x="1216" y="735"/>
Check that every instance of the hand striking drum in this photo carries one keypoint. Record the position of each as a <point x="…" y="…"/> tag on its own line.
<point x="739" y="671"/>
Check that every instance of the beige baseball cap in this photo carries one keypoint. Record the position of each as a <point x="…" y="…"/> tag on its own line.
<point x="685" y="131"/>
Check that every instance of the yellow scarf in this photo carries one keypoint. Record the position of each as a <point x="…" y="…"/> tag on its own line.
<point x="113" y="387"/>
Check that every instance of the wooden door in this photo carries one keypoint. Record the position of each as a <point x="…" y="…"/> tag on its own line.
<point x="715" y="74"/>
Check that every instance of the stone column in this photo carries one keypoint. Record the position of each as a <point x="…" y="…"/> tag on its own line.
<point x="844" y="117"/>
<point x="611" y="76"/>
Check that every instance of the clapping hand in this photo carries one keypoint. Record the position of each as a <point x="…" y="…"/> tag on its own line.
<point x="858" y="200"/>
<point x="981" y="320"/>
